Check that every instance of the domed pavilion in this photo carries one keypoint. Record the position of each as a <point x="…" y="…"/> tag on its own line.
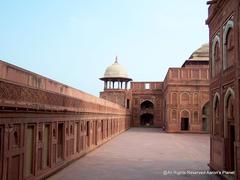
<point x="115" y="77"/>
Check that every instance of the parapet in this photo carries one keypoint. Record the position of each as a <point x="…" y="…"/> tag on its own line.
<point x="21" y="88"/>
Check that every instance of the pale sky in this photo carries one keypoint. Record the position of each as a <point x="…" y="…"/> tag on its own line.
<point x="73" y="41"/>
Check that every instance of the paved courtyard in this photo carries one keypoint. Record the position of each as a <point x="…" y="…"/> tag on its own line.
<point x="144" y="154"/>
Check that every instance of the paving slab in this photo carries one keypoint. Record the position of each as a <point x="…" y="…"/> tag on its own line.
<point x="144" y="154"/>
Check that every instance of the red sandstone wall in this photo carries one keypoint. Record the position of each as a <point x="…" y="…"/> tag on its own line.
<point x="225" y="151"/>
<point x="153" y="94"/>
<point x="186" y="92"/>
<point x="45" y="125"/>
<point x="24" y="78"/>
<point x="118" y="96"/>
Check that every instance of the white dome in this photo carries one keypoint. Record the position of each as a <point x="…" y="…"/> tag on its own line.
<point x="201" y="53"/>
<point x="116" y="71"/>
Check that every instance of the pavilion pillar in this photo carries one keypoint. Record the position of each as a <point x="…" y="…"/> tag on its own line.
<point x="105" y="84"/>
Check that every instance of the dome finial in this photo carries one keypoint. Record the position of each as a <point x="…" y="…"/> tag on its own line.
<point x="116" y="71"/>
<point x="116" y="60"/>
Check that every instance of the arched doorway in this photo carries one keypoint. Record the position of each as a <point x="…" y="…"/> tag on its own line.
<point x="147" y="105"/>
<point x="205" y="117"/>
<point x="146" y="120"/>
<point x="184" y="120"/>
<point x="229" y="130"/>
<point x="216" y="107"/>
<point x="147" y="117"/>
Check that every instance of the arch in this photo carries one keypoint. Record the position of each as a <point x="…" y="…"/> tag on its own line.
<point x="230" y="129"/>
<point x="216" y="106"/>
<point x="205" y="107"/>
<point x="174" y="114"/>
<point x="15" y="134"/>
<point x="229" y="26"/>
<point x="174" y="98"/>
<point x="185" y="98"/>
<point x="185" y="120"/>
<point x="215" y="98"/>
<point x="228" y="95"/>
<point x="216" y="41"/>
<point x="147" y="117"/>
<point x="185" y="113"/>
<point x="147" y="104"/>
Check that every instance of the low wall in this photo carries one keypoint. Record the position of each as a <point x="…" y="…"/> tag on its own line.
<point x="45" y="125"/>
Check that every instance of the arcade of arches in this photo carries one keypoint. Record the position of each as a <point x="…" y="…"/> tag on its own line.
<point x="223" y="21"/>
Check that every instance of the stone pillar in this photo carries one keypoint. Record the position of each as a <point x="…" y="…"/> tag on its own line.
<point x="105" y="84"/>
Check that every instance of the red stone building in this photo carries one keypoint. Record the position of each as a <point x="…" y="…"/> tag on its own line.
<point x="147" y="104"/>
<point x="223" y="21"/>
<point x="186" y="94"/>
<point x="45" y="125"/>
<point x="179" y="104"/>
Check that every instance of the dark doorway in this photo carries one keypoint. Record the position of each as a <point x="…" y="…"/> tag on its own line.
<point x="102" y="130"/>
<point x="146" y="120"/>
<point x="96" y="132"/>
<point x="231" y="166"/>
<point x="184" y="124"/>
<point x="147" y="105"/>
<point x="128" y="103"/>
<point x="60" y="142"/>
<point x="88" y="134"/>
<point x="76" y="137"/>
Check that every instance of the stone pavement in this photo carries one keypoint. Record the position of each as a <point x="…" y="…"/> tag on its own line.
<point x="143" y="154"/>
